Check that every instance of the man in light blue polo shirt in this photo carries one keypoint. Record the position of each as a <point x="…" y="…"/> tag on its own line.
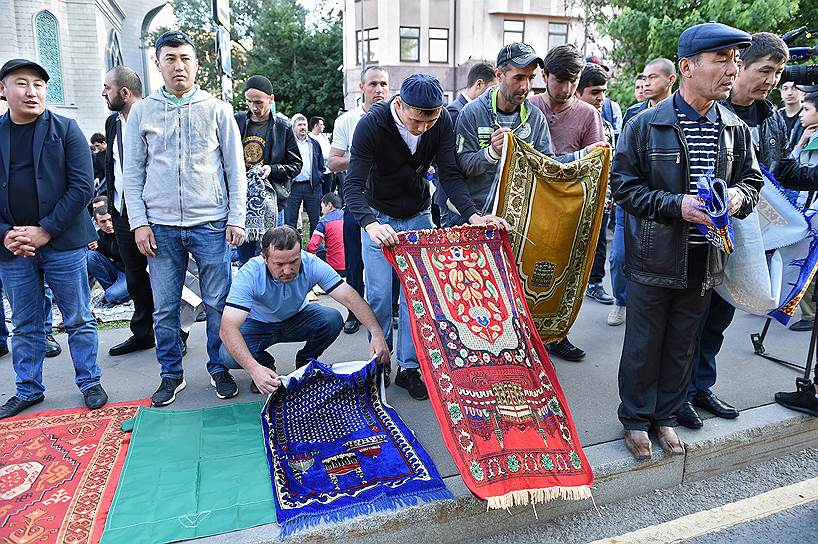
<point x="267" y="304"/>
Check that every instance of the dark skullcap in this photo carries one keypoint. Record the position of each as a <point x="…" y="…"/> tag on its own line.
<point x="422" y="91"/>
<point x="259" y="83"/>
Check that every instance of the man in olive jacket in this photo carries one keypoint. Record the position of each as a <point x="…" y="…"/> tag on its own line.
<point x="670" y="266"/>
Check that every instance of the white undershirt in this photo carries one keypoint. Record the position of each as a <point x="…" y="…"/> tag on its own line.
<point x="410" y="139"/>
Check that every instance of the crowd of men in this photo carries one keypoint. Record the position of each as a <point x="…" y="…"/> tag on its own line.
<point x="185" y="177"/>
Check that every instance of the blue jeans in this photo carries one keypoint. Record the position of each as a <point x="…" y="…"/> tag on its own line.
<point x="448" y="218"/>
<point x="109" y="277"/>
<point x="717" y="317"/>
<point x="4" y="330"/>
<point x="378" y="279"/>
<point x="167" y="272"/>
<point x="617" y="258"/>
<point x="247" y="251"/>
<point x="318" y="325"/>
<point x="23" y="279"/>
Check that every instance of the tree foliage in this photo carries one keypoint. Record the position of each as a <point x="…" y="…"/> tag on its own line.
<point x="271" y="38"/>
<point x="645" y="29"/>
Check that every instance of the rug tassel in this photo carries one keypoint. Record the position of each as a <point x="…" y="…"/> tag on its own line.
<point x="524" y="497"/>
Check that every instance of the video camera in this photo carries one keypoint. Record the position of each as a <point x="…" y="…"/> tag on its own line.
<point x="806" y="74"/>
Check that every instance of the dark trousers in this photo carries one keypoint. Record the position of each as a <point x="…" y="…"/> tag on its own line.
<point x="598" y="268"/>
<point x="136" y="276"/>
<point x="352" y="253"/>
<point x="326" y="183"/>
<point x="303" y="191"/>
<point x="657" y="357"/>
<point x="717" y="317"/>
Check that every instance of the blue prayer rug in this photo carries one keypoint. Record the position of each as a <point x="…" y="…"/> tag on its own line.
<point x="336" y="450"/>
<point x="712" y="193"/>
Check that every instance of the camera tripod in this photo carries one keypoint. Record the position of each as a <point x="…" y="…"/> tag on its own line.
<point x="758" y="347"/>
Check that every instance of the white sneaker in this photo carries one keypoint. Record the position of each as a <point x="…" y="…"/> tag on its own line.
<point x="617" y="315"/>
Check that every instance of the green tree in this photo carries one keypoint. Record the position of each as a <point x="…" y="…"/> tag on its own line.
<point x="272" y="38"/>
<point x="646" y="29"/>
<point x="301" y="60"/>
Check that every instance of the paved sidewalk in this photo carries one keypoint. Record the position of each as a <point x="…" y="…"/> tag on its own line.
<point x="745" y="380"/>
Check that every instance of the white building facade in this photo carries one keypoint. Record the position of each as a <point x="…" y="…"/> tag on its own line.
<point x="446" y="37"/>
<point x="77" y="42"/>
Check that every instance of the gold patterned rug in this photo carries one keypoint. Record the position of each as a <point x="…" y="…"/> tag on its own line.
<point x="555" y="211"/>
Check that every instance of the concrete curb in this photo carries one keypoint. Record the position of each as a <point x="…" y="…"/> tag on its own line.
<point x="759" y="434"/>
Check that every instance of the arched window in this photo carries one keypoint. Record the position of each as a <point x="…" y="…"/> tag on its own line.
<point x="48" y="49"/>
<point x="113" y="53"/>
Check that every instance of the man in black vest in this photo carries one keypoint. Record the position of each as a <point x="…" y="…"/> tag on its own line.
<point x="121" y="90"/>
<point x="387" y="191"/>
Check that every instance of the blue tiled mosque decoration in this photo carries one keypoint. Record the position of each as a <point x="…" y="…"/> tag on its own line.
<point x="48" y="48"/>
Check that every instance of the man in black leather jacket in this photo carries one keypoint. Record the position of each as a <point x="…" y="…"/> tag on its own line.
<point x="760" y="69"/>
<point x="670" y="268"/>
<point x="268" y="142"/>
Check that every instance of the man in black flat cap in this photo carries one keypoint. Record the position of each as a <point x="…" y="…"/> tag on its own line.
<point x="46" y="181"/>
<point x="387" y="191"/>
<point x="670" y="266"/>
<point x="268" y="142"/>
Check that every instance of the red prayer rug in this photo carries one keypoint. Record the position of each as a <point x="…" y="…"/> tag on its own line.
<point x="58" y="473"/>
<point x="496" y="396"/>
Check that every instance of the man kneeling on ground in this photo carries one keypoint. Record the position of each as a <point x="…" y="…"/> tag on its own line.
<point x="268" y="304"/>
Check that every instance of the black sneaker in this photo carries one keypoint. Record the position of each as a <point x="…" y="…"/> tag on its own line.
<point x="166" y="393"/>
<point x="598" y="293"/>
<point x="803" y="400"/>
<point x="351" y="326"/>
<point x="15" y="405"/>
<point x="95" y="397"/>
<point x="52" y="347"/>
<point x="566" y="350"/>
<point x="264" y="359"/>
<point x="226" y="387"/>
<point x="409" y="379"/>
<point x="4" y="349"/>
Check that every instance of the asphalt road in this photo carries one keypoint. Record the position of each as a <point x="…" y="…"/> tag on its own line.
<point x="615" y="523"/>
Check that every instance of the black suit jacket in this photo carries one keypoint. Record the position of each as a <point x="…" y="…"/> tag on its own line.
<point x="111" y="124"/>
<point x="64" y="176"/>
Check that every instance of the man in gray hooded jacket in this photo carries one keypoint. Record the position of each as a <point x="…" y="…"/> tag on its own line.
<point x="186" y="189"/>
<point x="482" y="122"/>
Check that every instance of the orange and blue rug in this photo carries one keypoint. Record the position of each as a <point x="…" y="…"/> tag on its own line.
<point x="58" y="472"/>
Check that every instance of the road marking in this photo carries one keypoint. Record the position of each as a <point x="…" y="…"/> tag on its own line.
<point x="723" y="517"/>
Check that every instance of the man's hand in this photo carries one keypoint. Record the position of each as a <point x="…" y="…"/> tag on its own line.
<point x="477" y="219"/>
<point x="234" y="235"/>
<point x="692" y="212"/>
<point x="265" y="170"/>
<point x="378" y="348"/>
<point x="497" y="139"/>
<point x="591" y="147"/>
<point x="145" y="241"/>
<point x="382" y="234"/>
<point x="38" y="236"/>
<point x="93" y="245"/>
<point x="18" y="243"/>
<point x="265" y="379"/>
<point x="736" y="198"/>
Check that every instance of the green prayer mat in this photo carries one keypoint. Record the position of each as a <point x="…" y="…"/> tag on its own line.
<point x="190" y="474"/>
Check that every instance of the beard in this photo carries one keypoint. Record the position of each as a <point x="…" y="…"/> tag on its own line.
<point x="116" y="104"/>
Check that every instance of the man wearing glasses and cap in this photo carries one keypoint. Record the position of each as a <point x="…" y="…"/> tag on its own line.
<point x="671" y="267"/>
<point x="502" y="108"/>
<point x="46" y="181"/>
<point x="387" y="191"/>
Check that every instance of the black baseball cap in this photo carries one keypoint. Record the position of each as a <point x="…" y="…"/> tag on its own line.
<point x="518" y="54"/>
<point x="173" y="37"/>
<point x="16" y="64"/>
